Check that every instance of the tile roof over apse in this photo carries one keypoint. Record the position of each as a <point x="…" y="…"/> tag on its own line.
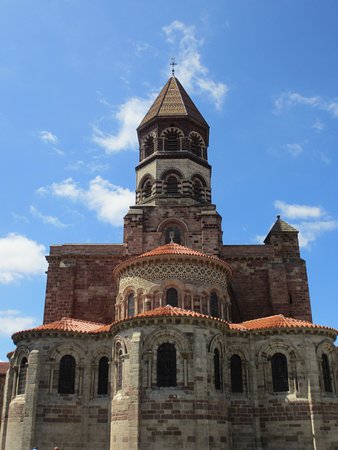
<point x="280" y="321"/>
<point x="171" y="311"/>
<point x="67" y="324"/>
<point x="173" y="100"/>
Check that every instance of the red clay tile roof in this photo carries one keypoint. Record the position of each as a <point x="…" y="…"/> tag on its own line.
<point x="67" y="324"/>
<point x="279" y="321"/>
<point x="264" y="323"/>
<point x="3" y="367"/>
<point x="170" y="311"/>
<point x="173" y="249"/>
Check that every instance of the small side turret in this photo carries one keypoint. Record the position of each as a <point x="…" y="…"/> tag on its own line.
<point x="284" y="238"/>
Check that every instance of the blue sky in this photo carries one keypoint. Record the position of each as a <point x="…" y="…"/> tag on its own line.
<point x="76" y="77"/>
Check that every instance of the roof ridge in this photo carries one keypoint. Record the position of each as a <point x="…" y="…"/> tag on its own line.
<point x="180" y="94"/>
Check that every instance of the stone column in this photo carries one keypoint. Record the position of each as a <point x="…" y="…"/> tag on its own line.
<point x="31" y="394"/>
<point x="6" y="401"/>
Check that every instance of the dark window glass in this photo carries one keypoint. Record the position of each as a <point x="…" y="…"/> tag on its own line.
<point x="149" y="146"/>
<point x="67" y="375"/>
<point x="102" y="385"/>
<point x="22" y="376"/>
<point x="166" y="365"/>
<point x="217" y="369"/>
<point x="147" y="189"/>
<point x="214" y="305"/>
<point x="236" y="374"/>
<point x="172" y="297"/>
<point x="172" y="142"/>
<point x="131" y="305"/>
<point x="172" y="185"/>
<point x="326" y="373"/>
<point x="280" y="377"/>
<point x="173" y="234"/>
<point x="119" y="378"/>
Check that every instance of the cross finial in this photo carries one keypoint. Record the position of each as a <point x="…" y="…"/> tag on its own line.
<point x="173" y="64"/>
<point x="171" y="236"/>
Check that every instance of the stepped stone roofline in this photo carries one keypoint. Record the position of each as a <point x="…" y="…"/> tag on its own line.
<point x="173" y="101"/>
<point x="271" y="323"/>
<point x="280" y="227"/>
<point x="173" y="250"/>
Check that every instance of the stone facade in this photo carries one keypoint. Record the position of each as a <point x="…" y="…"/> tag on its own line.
<point x="173" y="339"/>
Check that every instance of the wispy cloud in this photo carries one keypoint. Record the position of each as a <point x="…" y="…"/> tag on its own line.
<point x="293" y="211"/>
<point x="294" y="149"/>
<point x="318" y="125"/>
<point x="12" y="321"/>
<point x="108" y="201"/>
<point x="128" y="117"/>
<point x="291" y="99"/>
<point x="191" y="71"/>
<point x="91" y="167"/>
<point x="51" y="139"/>
<point x="48" y="220"/>
<point x="48" y="137"/>
<point x="312" y="221"/>
<point x="20" y="257"/>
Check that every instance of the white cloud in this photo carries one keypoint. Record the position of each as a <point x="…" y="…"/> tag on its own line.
<point x="11" y="321"/>
<point x="310" y="231"/>
<point x="108" y="201"/>
<point x="294" y="149"/>
<point x="190" y="70"/>
<point x="318" y="125"/>
<point x="290" y="99"/>
<point x="129" y="116"/>
<point x="293" y="211"/>
<point x="48" y="137"/>
<point x="314" y="221"/>
<point x="48" y="220"/>
<point x="91" y="167"/>
<point x="20" y="257"/>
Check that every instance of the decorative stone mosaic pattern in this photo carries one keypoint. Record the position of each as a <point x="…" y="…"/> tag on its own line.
<point x="138" y="276"/>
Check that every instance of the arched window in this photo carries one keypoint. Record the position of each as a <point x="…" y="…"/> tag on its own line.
<point x="236" y="373"/>
<point x="172" y="297"/>
<point x="198" y="190"/>
<point x="22" y="376"/>
<point x="166" y="365"/>
<point x="326" y="373"/>
<point x="217" y="369"/>
<point x="195" y="145"/>
<point x="172" y="234"/>
<point x="147" y="188"/>
<point x="67" y="375"/>
<point x="172" y="185"/>
<point x="214" y="305"/>
<point x="131" y="305"/>
<point x="172" y="141"/>
<point x="119" y="370"/>
<point x="102" y="385"/>
<point x="149" y="146"/>
<point x="279" y="369"/>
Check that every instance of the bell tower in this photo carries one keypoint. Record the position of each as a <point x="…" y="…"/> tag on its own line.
<point x="173" y="178"/>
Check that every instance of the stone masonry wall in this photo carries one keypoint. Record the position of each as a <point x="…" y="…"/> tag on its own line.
<point x="80" y="282"/>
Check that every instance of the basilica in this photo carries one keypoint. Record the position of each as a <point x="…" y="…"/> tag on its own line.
<point x="174" y="339"/>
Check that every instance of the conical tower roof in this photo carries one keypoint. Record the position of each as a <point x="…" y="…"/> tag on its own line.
<point x="280" y="226"/>
<point x="173" y="101"/>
